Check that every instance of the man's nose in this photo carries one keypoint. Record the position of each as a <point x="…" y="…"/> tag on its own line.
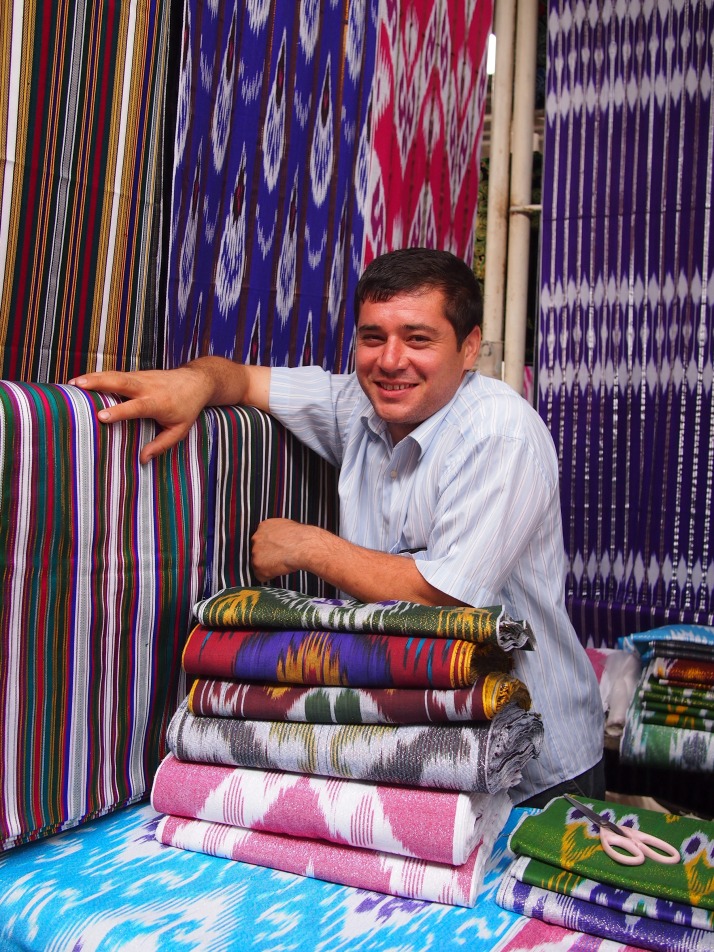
<point x="392" y="356"/>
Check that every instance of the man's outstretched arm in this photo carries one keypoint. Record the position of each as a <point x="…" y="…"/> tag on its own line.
<point x="174" y="398"/>
<point x="282" y="546"/>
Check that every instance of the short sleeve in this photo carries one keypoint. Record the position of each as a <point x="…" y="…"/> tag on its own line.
<point x="307" y="400"/>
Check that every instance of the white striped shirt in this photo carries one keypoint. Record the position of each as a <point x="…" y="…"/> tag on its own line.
<point x="472" y="496"/>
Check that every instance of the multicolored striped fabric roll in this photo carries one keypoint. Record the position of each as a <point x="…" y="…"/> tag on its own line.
<point x="100" y="561"/>
<point x="259" y="470"/>
<point x="82" y="112"/>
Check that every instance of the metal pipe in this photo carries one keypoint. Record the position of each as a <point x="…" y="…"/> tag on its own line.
<point x="491" y="356"/>
<point x="521" y="187"/>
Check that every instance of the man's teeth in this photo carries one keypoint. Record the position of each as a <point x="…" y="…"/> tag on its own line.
<point x="395" y="386"/>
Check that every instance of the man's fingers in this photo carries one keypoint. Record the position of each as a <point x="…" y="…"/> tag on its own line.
<point x="162" y="442"/>
<point x="108" y="381"/>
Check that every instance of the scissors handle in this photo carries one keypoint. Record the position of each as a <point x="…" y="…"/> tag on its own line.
<point x="632" y="846"/>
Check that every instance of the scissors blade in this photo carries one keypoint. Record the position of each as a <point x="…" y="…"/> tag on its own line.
<point x="596" y="818"/>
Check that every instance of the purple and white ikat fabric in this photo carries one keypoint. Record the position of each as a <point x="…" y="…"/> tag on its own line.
<point x="627" y="308"/>
<point x="266" y="236"/>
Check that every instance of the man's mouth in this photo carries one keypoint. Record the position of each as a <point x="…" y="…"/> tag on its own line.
<point x="395" y="386"/>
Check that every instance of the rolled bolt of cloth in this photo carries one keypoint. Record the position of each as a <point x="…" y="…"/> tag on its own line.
<point x="344" y="705"/>
<point x="441" y="826"/>
<point x="564" y="838"/>
<point x="593" y="919"/>
<point x="479" y="758"/>
<point x="535" y="873"/>
<point x="281" y="609"/>
<point x="337" y="658"/>
<point x="361" y="868"/>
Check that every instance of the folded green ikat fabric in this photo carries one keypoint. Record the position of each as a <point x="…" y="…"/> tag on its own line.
<point x="562" y="836"/>
<point x="278" y="608"/>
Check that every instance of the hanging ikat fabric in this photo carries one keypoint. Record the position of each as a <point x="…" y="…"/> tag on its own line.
<point x="311" y="136"/>
<point x="627" y="308"/>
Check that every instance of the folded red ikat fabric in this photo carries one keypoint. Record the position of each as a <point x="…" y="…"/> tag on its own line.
<point x="338" y="658"/>
<point x="363" y="868"/>
<point x="480" y="758"/>
<point x="440" y="826"/>
<point x="343" y="705"/>
<point x="278" y="608"/>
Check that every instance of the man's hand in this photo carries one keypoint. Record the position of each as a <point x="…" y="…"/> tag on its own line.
<point x="276" y="546"/>
<point x="282" y="546"/>
<point x="174" y="398"/>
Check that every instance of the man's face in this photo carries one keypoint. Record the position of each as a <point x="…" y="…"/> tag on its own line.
<point x="407" y="359"/>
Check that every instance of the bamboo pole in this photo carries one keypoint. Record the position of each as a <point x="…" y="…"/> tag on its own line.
<point x="491" y="356"/>
<point x="519" y="228"/>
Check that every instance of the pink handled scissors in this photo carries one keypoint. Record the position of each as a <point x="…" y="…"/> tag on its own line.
<point x="635" y="844"/>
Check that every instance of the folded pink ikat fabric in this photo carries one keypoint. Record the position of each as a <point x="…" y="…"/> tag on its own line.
<point x="363" y="868"/>
<point x="441" y="826"/>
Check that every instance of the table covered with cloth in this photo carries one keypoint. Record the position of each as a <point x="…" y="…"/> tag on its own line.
<point x="110" y="886"/>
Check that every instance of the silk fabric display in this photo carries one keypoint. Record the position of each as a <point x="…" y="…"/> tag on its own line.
<point x="353" y="659"/>
<point x="338" y="705"/>
<point x="565" y="839"/>
<point x="563" y="876"/>
<point x="362" y="868"/>
<point x="595" y="919"/>
<point x="480" y="758"/>
<point x="667" y="724"/>
<point x="371" y="816"/>
<point x="533" y="872"/>
<point x="654" y="745"/>
<point x="275" y="608"/>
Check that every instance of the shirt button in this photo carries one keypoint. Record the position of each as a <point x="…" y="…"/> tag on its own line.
<point x="393" y="474"/>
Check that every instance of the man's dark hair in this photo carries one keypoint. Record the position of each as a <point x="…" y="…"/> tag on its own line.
<point x="412" y="270"/>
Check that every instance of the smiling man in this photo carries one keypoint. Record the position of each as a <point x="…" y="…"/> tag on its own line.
<point x="448" y="482"/>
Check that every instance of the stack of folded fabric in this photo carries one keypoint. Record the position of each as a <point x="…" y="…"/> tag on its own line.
<point x="370" y="745"/>
<point x="562" y="876"/>
<point x="671" y="716"/>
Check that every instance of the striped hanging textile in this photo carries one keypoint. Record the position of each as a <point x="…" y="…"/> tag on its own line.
<point x="309" y="137"/>
<point x="100" y="562"/>
<point x="627" y="308"/>
<point x="81" y="117"/>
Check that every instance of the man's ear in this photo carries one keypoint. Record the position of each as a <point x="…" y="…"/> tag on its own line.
<point x="471" y="347"/>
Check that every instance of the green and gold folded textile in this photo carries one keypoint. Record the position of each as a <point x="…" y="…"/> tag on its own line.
<point x="253" y="608"/>
<point x="562" y="836"/>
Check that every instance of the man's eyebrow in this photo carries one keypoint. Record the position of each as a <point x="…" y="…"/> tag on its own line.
<point x="404" y="327"/>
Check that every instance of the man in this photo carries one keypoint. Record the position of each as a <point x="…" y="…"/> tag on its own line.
<point x="448" y="482"/>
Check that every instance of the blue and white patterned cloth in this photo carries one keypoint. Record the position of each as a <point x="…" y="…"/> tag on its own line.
<point x="111" y="886"/>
